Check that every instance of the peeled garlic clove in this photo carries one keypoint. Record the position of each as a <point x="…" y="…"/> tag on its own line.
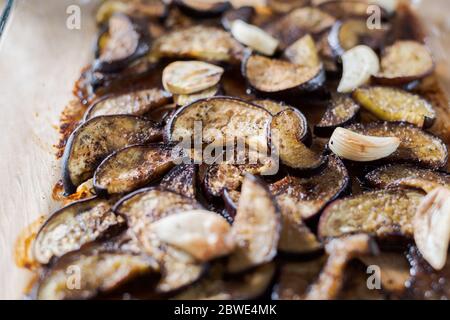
<point x="432" y="227"/>
<point x="186" y="77"/>
<point x="357" y="147"/>
<point x="203" y="234"/>
<point x="254" y="37"/>
<point x="359" y="64"/>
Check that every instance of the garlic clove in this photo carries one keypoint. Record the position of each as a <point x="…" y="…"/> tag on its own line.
<point x="432" y="227"/>
<point x="359" y="64"/>
<point x="357" y="147"/>
<point x="254" y="37"/>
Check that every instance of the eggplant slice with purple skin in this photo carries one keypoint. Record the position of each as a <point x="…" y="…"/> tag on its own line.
<point x="182" y="179"/>
<point x="97" y="138"/>
<point x="203" y="8"/>
<point x="342" y="110"/>
<point x="132" y="167"/>
<point x="347" y="34"/>
<point x="279" y="78"/>
<point x="256" y="227"/>
<point x="248" y="286"/>
<point x="71" y="227"/>
<point x="416" y="145"/>
<point x="405" y="62"/>
<point x="199" y="42"/>
<point x="288" y="129"/>
<point x="222" y="118"/>
<point x="136" y="103"/>
<point x="393" y="104"/>
<point x="393" y="174"/>
<point x="299" y="22"/>
<point x="310" y="195"/>
<point x="100" y="271"/>
<point x="383" y="213"/>
<point x="123" y="42"/>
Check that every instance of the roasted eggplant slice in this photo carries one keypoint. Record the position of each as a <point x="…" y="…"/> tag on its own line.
<point x="215" y="285"/>
<point x="405" y="62"/>
<point x="394" y="174"/>
<point x="271" y="106"/>
<point x="295" y="237"/>
<point x="391" y="104"/>
<point x="187" y="77"/>
<point x="95" y="139"/>
<point x="256" y="227"/>
<point x="299" y="22"/>
<point x="132" y="167"/>
<point x="350" y="33"/>
<point x="91" y="271"/>
<point x="229" y="174"/>
<point x="416" y="145"/>
<point x="231" y="199"/>
<point x="303" y="52"/>
<point x="122" y="44"/>
<point x="296" y="277"/>
<point x="286" y="6"/>
<point x="341" y="111"/>
<point x="288" y="129"/>
<point x="182" y="179"/>
<point x="154" y="9"/>
<point x="273" y="77"/>
<point x="203" y="8"/>
<point x="344" y="9"/>
<point x="310" y="195"/>
<point x="221" y="118"/>
<point x="135" y="103"/>
<point x="243" y="13"/>
<point x="69" y="228"/>
<point x="199" y="42"/>
<point x="383" y="213"/>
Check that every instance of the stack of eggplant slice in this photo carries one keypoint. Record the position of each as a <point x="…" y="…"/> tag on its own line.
<point x="292" y="212"/>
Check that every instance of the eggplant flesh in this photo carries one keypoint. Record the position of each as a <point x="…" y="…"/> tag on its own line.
<point x="394" y="174"/>
<point x="95" y="139"/>
<point x="256" y="227"/>
<point x="185" y="99"/>
<point x="288" y="129"/>
<point x="281" y="78"/>
<point x="299" y="22"/>
<point x="345" y="9"/>
<point x="122" y="44"/>
<point x="182" y="179"/>
<point x="273" y="107"/>
<point x="286" y="6"/>
<point x="132" y="167"/>
<point x="223" y="119"/>
<point x="310" y="195"/>
<point x="303" y="52"/>
<point x="341" y="111"/>
<point x="384" y="213"/>
<point x="405" y="62"/>
<point x="135" y="103"/>
<point x="392" y="104"/>
<point x="215" y="285"/>
<point x="69" y="228"/>
<point x="100" y="271"/>
<point x="199" y="42"/>
<point x="416" y="145"/>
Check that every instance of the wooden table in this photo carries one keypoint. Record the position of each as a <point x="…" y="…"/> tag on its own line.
<point x="40" y="58"/>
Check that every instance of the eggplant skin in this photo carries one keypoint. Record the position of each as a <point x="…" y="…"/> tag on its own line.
<point x="182" y="179"/>
<point x="83" y="222"/>
<point x="95" y="139"/>
<point x="416" y="145"/>
<point x="197" y="12"/>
